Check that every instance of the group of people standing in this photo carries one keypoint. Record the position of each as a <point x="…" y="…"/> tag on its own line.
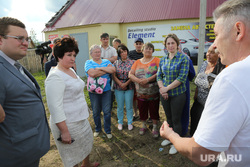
<point x="141" y="80"/>
<point x="142" y="83"/>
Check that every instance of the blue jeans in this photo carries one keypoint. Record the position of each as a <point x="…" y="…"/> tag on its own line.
<point x="101" y="102"/>
<point x="126" y="96"/>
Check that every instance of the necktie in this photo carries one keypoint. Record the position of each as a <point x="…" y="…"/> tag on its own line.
<point x="18" y="66"/>
<point x="20" y="69"/>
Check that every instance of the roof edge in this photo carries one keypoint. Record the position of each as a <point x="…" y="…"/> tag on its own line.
<point x="58" y="14"/>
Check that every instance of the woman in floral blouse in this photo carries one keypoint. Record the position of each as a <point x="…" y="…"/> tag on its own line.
<point x="124" y="88"/>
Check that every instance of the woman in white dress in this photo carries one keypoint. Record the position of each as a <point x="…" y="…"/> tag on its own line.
<point x="68" y="108"/>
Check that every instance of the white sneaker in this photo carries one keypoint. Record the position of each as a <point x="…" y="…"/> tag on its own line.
<point x="109" y="136"/>
<point x="119" y="126"/>
<point x="96" y="134"/>
<point x="172" y="150"/>
<point x="165" y="142"/>
<point x="130" y="127"/>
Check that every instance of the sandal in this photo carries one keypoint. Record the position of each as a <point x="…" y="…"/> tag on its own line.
<point x="142" y="131"/>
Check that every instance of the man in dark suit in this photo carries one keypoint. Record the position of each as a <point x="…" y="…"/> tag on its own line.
<point x="24" y="134"/>
<point x="52" y="60"/>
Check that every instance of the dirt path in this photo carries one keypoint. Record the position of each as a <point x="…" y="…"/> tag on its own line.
<point x="125" y="149"/>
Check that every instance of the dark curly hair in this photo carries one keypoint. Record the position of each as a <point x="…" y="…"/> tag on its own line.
<point x="121" y="47"/>
<point x="66" y="44"/>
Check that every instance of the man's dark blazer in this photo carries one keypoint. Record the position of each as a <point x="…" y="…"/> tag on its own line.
<point x="24" y="134"/>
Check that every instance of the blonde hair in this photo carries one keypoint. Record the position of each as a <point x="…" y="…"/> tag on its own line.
<point x="93" y="47"/>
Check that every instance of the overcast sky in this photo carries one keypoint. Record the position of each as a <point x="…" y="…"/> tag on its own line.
<point x="33" y="13"/>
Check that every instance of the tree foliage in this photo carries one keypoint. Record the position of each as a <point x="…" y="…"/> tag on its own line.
<point x="33" y="37"/>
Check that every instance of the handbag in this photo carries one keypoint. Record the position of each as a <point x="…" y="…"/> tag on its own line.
<point x="96" y="85"/>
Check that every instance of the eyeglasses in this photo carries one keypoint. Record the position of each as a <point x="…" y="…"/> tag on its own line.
<point x="19" y="38"/>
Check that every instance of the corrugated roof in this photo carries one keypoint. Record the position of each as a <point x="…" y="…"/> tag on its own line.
<point x="85" y="12"/>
